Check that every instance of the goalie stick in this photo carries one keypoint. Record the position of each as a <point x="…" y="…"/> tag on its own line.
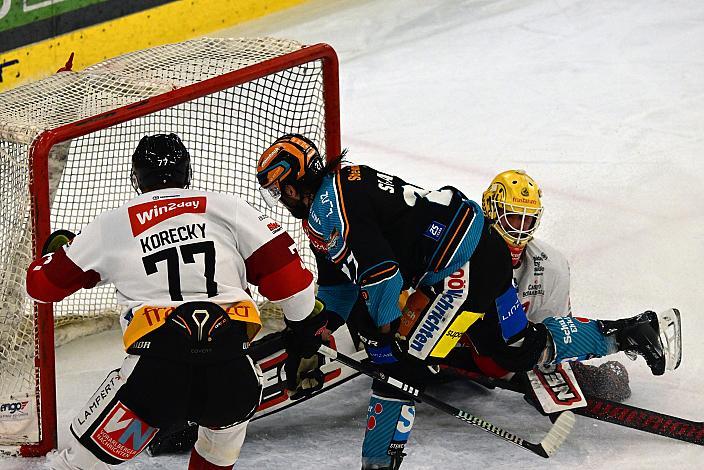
<point x="546" y="448"/>
<point x="609" y="411"/>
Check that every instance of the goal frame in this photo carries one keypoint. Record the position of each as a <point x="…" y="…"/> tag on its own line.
<point x="44" y="363"/>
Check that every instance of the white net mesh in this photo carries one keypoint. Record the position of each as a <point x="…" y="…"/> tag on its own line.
<point x="225" y="133"/>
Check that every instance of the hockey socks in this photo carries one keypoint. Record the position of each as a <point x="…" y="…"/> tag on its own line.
<point x="197" y="462"/>
<point x="577" y="339"/>
<point x="389" y="423"/>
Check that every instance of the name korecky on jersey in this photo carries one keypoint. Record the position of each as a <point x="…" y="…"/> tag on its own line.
<point x="146" y="215"/>
<point x="173" y="235"/>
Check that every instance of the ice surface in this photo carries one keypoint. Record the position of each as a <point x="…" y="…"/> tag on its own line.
<point x="602" y="102"/>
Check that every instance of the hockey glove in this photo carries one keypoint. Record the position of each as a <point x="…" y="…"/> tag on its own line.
<point x="56" y="240"/>
<point x="382" y="348"/>
<point x="302" y="340"/>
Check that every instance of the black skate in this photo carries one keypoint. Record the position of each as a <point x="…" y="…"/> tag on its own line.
<point x="658" y="338"/>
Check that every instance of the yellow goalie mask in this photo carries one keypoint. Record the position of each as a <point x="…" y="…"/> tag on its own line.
<point x="512" y="201"/>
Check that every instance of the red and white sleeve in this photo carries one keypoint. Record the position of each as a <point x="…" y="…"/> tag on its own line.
<point x="54" y="277"/>
<point x="273" y="264"/>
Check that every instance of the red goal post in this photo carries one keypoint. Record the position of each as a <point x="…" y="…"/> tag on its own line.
<point x="65" y="148"/>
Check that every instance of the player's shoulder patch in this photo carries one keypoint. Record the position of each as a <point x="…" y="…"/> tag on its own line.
<point x="327" y="225"/>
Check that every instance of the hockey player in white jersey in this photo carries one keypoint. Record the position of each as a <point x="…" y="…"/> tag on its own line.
<point x="513" y="201"/>
<point x="542" y="274"/>
<point x="180" y="261"/>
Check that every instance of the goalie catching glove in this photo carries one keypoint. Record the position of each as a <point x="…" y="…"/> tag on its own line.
<point x="302" y="340"/>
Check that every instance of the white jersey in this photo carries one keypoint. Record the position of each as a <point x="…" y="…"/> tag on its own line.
<point x="543" y="280"/>
<point x="171" y="246"/>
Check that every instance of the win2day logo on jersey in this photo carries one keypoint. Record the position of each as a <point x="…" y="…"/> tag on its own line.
<point x="148" y="214"/>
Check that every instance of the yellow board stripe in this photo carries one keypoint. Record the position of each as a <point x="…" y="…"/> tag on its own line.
<point x="173" y="22"/>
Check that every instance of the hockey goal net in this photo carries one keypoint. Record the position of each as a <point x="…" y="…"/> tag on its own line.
<point x="65" y="148"/>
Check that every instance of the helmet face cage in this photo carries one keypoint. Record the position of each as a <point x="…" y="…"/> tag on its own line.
<point x="270" y="179"/>
<point x="160" y="160"/>
<point x="516" y="223"/>
<point x="513" y="202"/>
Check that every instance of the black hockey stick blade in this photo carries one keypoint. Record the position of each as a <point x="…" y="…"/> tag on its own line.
<point x="546" y="448"/>
<point x="620" y="414"/>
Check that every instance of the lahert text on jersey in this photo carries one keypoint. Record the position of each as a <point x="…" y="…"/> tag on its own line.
<point x="172" y="235"/>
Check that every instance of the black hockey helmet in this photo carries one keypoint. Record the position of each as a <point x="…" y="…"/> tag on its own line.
<point x="160" y="161"/>
<point x="292" y="160"/>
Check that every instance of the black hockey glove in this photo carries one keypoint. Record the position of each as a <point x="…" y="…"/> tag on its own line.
<point x="56" y="240"/>
<point x="382" y="348"/>
<point x="302" y="340"/>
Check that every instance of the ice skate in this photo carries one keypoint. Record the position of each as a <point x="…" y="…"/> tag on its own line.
<point x="656" y="337"/>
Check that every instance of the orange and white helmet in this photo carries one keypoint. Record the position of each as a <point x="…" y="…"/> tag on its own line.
<point x="512" y="201"/>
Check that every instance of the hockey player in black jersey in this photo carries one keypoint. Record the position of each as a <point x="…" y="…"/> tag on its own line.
<point x="374" y="235"/>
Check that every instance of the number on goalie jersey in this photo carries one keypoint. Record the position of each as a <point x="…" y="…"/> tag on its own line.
<point x="180" y="261"/>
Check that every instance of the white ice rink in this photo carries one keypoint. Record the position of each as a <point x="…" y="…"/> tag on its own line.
<point x="602" y="102"/>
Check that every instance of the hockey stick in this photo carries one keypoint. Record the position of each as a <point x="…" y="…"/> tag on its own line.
<point x="612" y="412"/>
<point x="546" y="448"/>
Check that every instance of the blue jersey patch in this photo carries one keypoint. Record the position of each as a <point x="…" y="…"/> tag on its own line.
<point x="434" y="230"/>
<point x="512" y="317"/>
<point x="326" y="222"/>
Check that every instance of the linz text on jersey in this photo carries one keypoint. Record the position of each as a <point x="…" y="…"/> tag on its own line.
<point x="172" y="235"/>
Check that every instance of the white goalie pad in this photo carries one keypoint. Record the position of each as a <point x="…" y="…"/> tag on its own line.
<point x="670" y="328"/>
<point x="556" y="388"/>
<point x="275" y="397"/>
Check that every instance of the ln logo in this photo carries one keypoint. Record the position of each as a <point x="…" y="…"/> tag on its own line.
<point x="122" y="434"/>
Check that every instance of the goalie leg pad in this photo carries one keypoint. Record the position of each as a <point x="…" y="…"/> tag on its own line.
<point x="577" y="339"/>
<point x="389" y="424"/>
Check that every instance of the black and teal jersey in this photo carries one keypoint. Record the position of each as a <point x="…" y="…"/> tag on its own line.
<point x="376" y="233"/>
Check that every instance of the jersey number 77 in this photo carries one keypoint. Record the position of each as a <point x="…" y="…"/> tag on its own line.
<point x="188" y="252"/>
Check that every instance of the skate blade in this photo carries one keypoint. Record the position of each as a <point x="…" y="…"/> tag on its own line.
<point x="670" y="327"/>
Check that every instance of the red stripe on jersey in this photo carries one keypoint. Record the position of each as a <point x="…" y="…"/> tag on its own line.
<point x="277" y="269"/>
<point x="53" y="278"/>
<point x="148" y="214"/>
<point x="270" y="257"/>
<point x="285" y="282"/>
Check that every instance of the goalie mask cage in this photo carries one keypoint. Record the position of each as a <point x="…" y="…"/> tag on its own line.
<point x="65" y="156"/>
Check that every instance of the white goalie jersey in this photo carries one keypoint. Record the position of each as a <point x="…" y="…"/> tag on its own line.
<point x="543" y="280"/>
